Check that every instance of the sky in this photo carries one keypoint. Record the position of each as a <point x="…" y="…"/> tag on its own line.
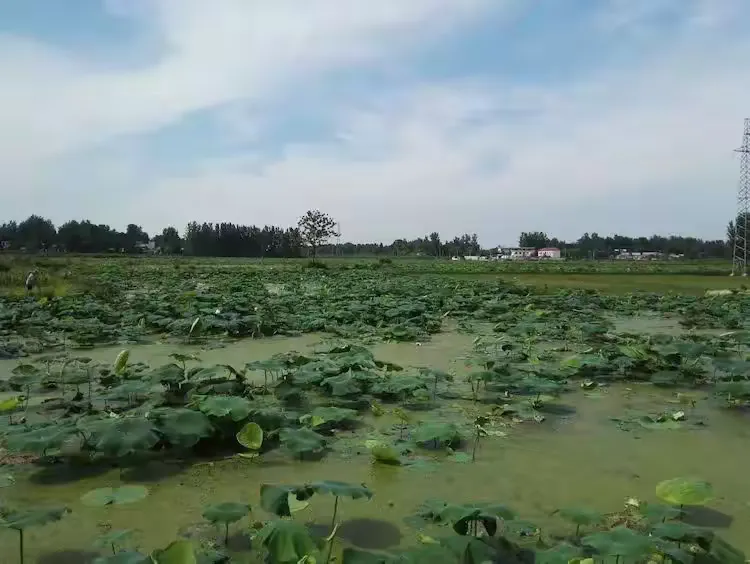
<point x="397" y="118"/>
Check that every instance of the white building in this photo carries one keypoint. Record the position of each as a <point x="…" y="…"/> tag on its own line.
<point x="549" y="252"/>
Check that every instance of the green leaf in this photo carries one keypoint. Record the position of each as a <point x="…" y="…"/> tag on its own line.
<point x="560" y="554"/>
<point x="250" y="436"/>
<point x="235" y="407"/>
<point x="341" y="489"/>
<point x="684" y="491"/>
<point x="619" y="541"/>
<point x="182" y="427"/>
<point x="302" y="441"/>
<point x="41" y="439"/>
<point x="581" y="515"/>
<point x="114" y="496"/>
<point x="658" y="512"/>
<point x="284" y="500"/>
<point x="383" y="453"/>
<point x="286" y="541"/>
<point x="179" y="552"/>
<point x="357" y="556"/>
<point x="21" y="520"/>
<point x="121" y="437"/>
<point x="682" y="532"/>
<point x="121" y="361"/>
<point x="725" y="553"/>
<point x="10" y="404"/>
<point x="227" y="512"/>
<point x="442" y="433"/>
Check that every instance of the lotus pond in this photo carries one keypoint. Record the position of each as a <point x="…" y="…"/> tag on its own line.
<point x="355" y="417"/>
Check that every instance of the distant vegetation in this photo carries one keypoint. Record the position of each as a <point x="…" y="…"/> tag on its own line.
<point x="232" y="240"/>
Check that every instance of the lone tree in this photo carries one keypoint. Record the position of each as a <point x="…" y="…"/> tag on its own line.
<point x="316" y="227"/>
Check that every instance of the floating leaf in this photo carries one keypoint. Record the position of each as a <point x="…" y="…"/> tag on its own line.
<point x="684" y="491"/>
<point x="250" y="436"/>
<point x="302" y="441"/>
<point x="114" y="496"/>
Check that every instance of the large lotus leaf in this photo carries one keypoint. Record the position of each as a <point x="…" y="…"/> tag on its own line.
<point x="462" y="515"/>
<point x="619" y="541"/>
<point x="114" y="496"/>
<point x="581" y="515"/>
<point x="469" y="550"/>
<point x="20" y="520"/>
<point x="182" y="427"/>
<point x="250" y="436"/>
<point x="121" y="437"/>
<point x="235" y="407"/>
<point x="442" y="433"/>
<point x="658" y="512"/>
<point x="331" y="417"/>
<point x="342" y="489"/>
<point x="682" y="532"/>
<point x="167" y="374"/>
<point x="284" y="500"/>
<point x="684" y="491"/>
<point x="24" y="375"/>
<point x="343" y="385"/>
<point x="560" y="554"/>
<point x="286" y="541"/>
<point x="179" y="552"/>
<point x="383" y="452"/>
<point x="41" y="439"/>
<point x="130" y="388"/>
<point x="302" y="441"/>
<point x="227" y="512"/>
<point x="127" y="557"/>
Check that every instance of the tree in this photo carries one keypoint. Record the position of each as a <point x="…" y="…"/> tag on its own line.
<point x="535" y="239"/>
<point x="316" y="228"/>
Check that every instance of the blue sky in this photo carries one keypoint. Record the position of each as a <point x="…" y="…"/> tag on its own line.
<point x="397" y="118"/>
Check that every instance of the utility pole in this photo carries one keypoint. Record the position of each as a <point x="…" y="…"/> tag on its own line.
<point x="739" y="254"/>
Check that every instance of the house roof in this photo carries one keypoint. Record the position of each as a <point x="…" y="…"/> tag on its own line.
<point x="549" y="249"/>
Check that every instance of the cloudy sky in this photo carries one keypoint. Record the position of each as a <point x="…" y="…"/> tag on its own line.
<point x="397" y="117"/>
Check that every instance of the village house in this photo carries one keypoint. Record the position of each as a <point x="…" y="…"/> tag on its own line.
<point x="549" y="252"/>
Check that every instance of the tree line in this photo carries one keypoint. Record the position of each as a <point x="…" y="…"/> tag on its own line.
<point x="315" y="235"/>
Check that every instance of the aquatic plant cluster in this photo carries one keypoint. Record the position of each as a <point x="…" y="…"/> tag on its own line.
<point x="529" y="348"/>
<point x="125" y="304"/>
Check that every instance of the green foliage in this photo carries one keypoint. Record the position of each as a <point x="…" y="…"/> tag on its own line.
<point x="684" y="491"/>
<point x="114" y="496"/>
<point x="235" y="408"/>
<point x="286" y="541"/>
<point x="250" y="436"/>
<point x="301" y="442"/>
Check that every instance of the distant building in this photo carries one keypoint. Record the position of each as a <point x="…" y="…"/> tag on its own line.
<point x="505" y="253"/>
<point x="549" y="252"/>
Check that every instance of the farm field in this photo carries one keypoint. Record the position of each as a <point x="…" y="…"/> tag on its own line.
<point x="373" y="411"/>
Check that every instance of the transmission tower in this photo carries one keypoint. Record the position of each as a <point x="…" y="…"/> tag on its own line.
<point x="739" y="256"/>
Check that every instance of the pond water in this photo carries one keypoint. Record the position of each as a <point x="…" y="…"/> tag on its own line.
<point x="579" y="457"/>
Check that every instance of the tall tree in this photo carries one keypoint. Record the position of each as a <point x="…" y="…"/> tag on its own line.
<point x="536" y="239"/>
<point x="316" y="228"/>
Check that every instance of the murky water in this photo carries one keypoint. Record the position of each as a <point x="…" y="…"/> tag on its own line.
<point x="581" y="459"/>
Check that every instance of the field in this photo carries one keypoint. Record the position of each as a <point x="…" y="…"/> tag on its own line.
<point x="412" y="411"/>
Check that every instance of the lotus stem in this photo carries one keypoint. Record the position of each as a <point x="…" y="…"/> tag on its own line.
<point x="226" y="534"/>
<point x="335" y="510"/>
<point x="20" y="545"/>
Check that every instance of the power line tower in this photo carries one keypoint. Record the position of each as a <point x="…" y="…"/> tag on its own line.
<point x="739" y="256"/>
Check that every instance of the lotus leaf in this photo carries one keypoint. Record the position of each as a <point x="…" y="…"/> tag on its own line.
<point x="619" y="541"/>
<point x="227" y="512"/>
<point x="341" y="489"/>
<point x="658" y="512"/>
<point x="121" y="437"/>
<point x="563" y="553"/>
<point x="113" y="538"/>
<point x="250" y="436"/>
<point x="357" y="556"/>
<point x="235" y="407"/>
<point x="682" y="532"/>
<point x="722" y="551"/>
<point x="383" y="453"/>
<point x="684" y="491"/>
<point x="41" y="439"/>
<point x="284" y="500"/>
<point x="463" y="515"/>
<point x="302" y="441"/>
<point x="331" y="417"/>
<point x="438" y="433"/>
<point x="10" y="404"/>
<point x="114" y="496"/>
<point x="21" y="520"/>
<point x="182" y="427"/>
<point x="581" y="516"/>
<point x="286" y="541"/>
<point x="343" y="385"/>
<point x="469" y="550"/>
<point x="179" y="552"/>
<point x="127" y="557"/>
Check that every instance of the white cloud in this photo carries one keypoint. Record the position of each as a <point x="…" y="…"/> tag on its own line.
<point x="593" y="153"/>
